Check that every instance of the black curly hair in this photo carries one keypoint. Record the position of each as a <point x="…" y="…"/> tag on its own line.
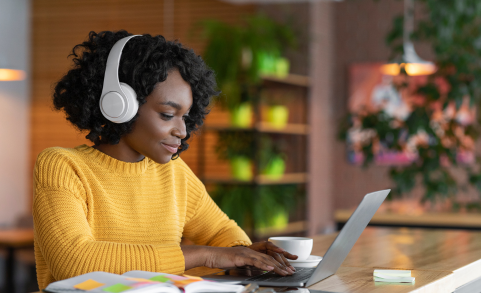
<point x="145" y="61"/>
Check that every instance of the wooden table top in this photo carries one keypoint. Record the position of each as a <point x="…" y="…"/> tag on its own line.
<point x="456" y="252"/>
<point x="356" y="279"/>
<point x="16" y="237"/>
<point x="441" y="260"/>
<point x="426" y="219"/>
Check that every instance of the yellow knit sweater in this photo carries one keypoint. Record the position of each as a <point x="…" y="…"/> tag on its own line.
<point x="95" y="213"/>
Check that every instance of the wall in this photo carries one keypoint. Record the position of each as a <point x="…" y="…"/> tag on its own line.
<point x="14" y="111"/>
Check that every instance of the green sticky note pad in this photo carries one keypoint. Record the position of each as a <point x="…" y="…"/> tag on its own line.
<point x="160" y="279"/>
<point x="117" y="288"/>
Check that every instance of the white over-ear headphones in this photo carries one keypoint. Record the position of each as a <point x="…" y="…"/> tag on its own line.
<point x="118" y="101"/>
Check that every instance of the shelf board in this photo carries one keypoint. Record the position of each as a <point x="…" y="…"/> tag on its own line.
<point x="289" y="178"/>
<point x="294" y="227"/>
<point x="425" y="219"/>
<point x="288" y="128"/>
<point x="291" y="79"/>
<point x="300" y="129"/>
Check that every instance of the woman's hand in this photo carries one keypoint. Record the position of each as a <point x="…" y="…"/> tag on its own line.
<point x="223" y="257"/>
<point x="279" y="254"/>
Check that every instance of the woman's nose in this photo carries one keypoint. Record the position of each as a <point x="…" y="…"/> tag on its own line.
<point x="180" y="130"/>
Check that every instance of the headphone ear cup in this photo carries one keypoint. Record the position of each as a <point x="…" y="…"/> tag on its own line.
<point x="132" y="102"/>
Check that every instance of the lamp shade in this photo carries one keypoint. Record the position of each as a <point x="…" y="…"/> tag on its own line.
<point x="411" y="62"/>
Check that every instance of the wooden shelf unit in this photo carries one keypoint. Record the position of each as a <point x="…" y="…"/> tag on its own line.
<point x="295" y="132"/>
<point x="289" y="178"/>
<point x="291" y="79"/>
<point x="265" y="127"/>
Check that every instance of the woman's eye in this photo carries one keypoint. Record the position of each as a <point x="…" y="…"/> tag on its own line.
<point x="166" y="117"/>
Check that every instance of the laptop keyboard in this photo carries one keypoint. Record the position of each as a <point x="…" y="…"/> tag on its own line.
<point x="301" y="274"/>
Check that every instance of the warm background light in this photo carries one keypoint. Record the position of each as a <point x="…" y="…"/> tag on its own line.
<point x="414" y="69"/>
<point x="391" y="69"/>
<point x="11" y="74"/>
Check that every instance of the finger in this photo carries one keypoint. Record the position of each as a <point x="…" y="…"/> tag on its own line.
<point x="286" y="262"/>
<point x="278" y="258"/>
<point x="258" y="263"/>
<point x="282" y="260"/>
<point x="281" y="268"/>
<point x="278" y="268"/>
<point x="290" y="256"/>
<point x="266" y="262"/>
<point x="271" y="246"/>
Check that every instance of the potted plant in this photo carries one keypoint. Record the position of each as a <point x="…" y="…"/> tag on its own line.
<point x="240" y="149"/>
<point x="272" y="157"/>
<point x="277" y="112"/>
<point x="254" y="207"/>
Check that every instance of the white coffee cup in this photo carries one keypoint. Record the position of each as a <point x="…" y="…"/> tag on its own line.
<point x="299" y="246"/>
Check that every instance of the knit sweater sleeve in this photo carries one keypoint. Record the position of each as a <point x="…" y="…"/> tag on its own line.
<point x="206" y="224"/>
<point x="63" y="234"/>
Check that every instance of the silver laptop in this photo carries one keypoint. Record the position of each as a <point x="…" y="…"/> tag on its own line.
<point x="332" y="260"/>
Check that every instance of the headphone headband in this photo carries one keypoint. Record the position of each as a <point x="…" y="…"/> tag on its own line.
<point x="111" y="76"/>
<point x="118" y="102"/>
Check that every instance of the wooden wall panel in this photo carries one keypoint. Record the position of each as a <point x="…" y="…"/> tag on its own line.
<point x="58" y="25"/>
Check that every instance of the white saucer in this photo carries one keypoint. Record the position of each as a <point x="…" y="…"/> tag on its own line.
<point x="311" y="262"/>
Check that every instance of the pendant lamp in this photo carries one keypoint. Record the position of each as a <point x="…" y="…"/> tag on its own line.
<point x="410" y="61"/>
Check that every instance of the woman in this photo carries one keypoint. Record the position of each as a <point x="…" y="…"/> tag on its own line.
<point x="125" y="203"/>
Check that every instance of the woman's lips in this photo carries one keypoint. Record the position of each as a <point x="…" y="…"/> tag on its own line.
<point x="171" y="147"/>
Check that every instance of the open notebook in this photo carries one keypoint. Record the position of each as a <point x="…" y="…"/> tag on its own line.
<point x="139" y="282"/>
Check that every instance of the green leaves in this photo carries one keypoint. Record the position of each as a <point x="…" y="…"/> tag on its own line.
<point x="236" y="143"/>
<point x="243" y="143"/>
<point x="259" y="204"/>
<point x="234" y="53"/>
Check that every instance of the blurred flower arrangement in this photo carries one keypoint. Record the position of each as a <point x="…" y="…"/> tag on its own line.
<point x="425" y="126"/>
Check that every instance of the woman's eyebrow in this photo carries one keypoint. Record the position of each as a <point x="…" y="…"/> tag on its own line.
<point x="172" y="104"/>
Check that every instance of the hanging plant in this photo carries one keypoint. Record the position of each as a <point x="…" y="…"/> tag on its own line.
<point x="440" y="128"/>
